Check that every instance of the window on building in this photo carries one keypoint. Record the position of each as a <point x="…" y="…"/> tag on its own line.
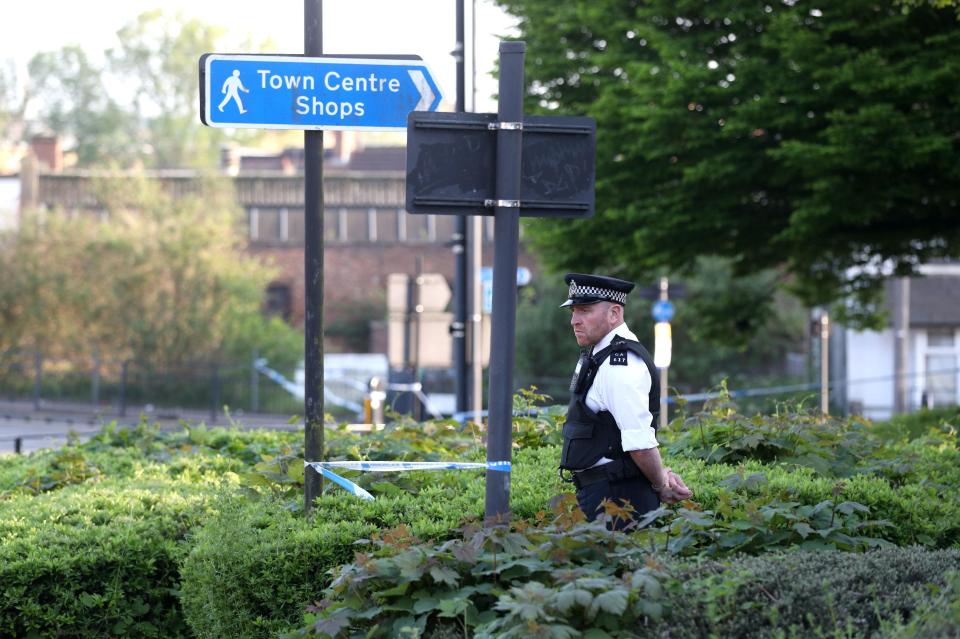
<point x="941" y="379"/>
<point x="279" y="301"/>
<point x="331" y="225"/>
<point x="940" y="337"/>
<point x="296" y="233"/>
<point x="268" y="225"/>
<point x="387" y="226"/>
<point x="357" y="226"/>
<point x="417" y="228"/>
<point x="254" y="224"/>
<point x="445" y="226"/>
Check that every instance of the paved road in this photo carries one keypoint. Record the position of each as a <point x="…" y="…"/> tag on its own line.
<point x="49" y="425"/>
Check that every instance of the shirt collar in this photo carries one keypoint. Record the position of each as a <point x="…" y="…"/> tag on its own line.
<point x="622" y="330"/>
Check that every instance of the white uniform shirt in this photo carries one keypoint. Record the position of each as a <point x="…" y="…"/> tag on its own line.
<point x="624" y="391"/>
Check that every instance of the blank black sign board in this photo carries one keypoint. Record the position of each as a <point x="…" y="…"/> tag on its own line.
<point x="451" y="164"/>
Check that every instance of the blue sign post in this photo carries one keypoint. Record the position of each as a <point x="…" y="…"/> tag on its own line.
<point x="328" y="93"/>
<point x="663" y="311"/>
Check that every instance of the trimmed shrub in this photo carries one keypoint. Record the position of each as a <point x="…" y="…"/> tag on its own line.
<point x="97" y="560"/>
<point x="804" y="594"/>
<point x="919" y="423"/>
<point x="255" y="566"/>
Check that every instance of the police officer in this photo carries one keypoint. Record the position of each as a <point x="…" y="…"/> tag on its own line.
<point x="609" y="438"/>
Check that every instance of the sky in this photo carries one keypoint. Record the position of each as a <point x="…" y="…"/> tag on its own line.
<point x="420" y="27"/>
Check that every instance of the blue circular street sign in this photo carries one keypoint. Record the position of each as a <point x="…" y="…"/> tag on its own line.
<point x="663" y="311"/>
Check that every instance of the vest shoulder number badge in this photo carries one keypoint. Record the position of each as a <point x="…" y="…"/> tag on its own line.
<point x="618" y="358"/>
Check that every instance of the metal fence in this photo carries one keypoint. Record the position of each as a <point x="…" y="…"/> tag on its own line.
<point x="115" y="386"/>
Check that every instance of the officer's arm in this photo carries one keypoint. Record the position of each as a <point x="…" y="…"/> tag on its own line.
<point x="626" y="394"/>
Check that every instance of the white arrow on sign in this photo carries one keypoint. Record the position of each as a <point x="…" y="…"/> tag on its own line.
<point x="426" y="93"/>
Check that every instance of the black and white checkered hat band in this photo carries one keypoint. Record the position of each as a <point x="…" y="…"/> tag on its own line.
<point x="595" y="291"/>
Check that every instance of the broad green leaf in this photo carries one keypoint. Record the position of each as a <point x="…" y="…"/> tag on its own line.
<point x="612" y="601"/>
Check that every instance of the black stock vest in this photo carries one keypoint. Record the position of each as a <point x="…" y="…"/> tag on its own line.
<point x="588" y="436"/>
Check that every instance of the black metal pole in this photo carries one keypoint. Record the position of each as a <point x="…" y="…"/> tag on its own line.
<point x="506" y="238"/>
<point x="460" y="244"/>
<point x="313" y="273"/>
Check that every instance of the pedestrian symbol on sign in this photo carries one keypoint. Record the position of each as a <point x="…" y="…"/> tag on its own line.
<point x="230" y="87"/>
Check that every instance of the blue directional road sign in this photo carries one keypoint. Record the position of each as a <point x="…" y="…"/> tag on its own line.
<point x="297" y="92"/>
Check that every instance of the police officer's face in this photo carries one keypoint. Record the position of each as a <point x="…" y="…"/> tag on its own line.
<point x="591" y="322"/>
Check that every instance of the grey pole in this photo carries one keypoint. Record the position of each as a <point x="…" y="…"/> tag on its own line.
<point x="313" y="273"/>
<point x="901" y="353"/>
<point x="458" y="329"/>
<point x="665" y="371"/>
<point x="506" y="237"/>
<point x="825" y="363"/>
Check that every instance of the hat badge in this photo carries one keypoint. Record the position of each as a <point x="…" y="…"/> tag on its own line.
<point x="573" y="288"/>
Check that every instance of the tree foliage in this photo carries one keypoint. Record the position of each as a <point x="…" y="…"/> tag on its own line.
<point x="148" y="116"/>
<point x="150" y="278"/>
<point x="67" y="89"/>
<point x="820" y="139"/>
<point x="726" y="328"/>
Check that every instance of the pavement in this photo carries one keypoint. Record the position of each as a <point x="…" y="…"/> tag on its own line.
<point x="48" y="424"/>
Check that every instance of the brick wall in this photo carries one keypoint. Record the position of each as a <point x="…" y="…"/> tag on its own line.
<point x="355" y="277"/>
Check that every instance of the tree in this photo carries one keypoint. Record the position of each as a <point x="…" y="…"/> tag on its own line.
<point x="158" y="58"/>
<point x="149" y="115"/>
<point x="13" y="107"/>
<point x="724" y="329"/>
<point x="152" y="278"/>
<point x="822" y="140"/>
<point x="68" y="91"/>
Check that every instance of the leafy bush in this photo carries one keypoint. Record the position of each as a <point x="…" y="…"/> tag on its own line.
<point x="936" y="616"/>
<point x="129" y="516"/>
<point x="791" y="435"/>
<point x="803" y="594"/>
<point x="570" y="579"/>
<point x="97" y="559"/>
<point x="551" y="581"/>
<point x="918" y="423"/>
<point x="256" y="565"/>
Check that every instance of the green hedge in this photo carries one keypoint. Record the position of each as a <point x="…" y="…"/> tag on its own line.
<point x="101" y="539"/>
<point x="254" y="567"/>
<point x="805" y="594"/>
<point x="571" y="580"/>
<point x="97" y="559"/>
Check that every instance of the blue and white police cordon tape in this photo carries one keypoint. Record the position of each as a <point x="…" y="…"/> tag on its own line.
<point x="394" y="466"/>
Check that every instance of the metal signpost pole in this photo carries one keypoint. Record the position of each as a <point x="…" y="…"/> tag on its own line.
<point x="313" y="273"/>
<point x="506" y="246"/>
<point x="665" y="371"/>
<point x="825" y="363"/>
<point x="461" y="283"/>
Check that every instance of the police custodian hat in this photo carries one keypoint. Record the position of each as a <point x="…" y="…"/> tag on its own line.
<point x="590" y="289"/>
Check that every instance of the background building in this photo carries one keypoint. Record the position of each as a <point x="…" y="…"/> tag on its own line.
<point x="367" y="233"/>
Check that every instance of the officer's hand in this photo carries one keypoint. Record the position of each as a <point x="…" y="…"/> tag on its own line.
<point x="678" y="487"/>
